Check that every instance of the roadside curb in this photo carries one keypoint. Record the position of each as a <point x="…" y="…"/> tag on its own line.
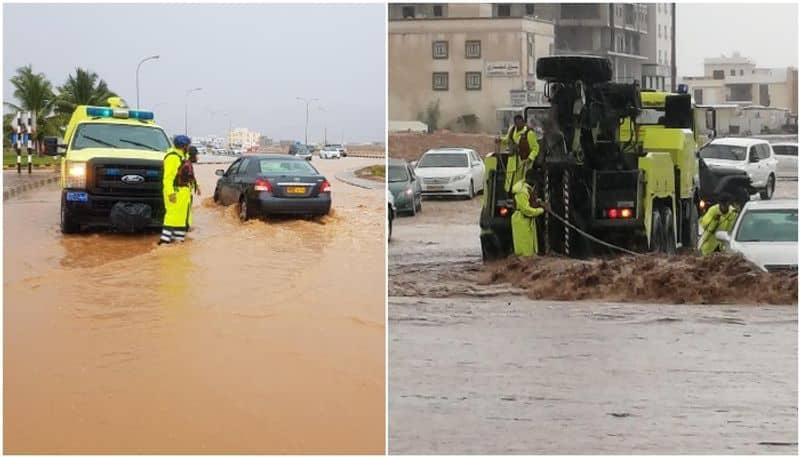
<point x="19" y="189"/>
<point x="349" y="177"/>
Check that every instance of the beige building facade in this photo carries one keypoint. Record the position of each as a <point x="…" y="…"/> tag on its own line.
<point x="243" y="138"/>
<point x="466" y="67"/>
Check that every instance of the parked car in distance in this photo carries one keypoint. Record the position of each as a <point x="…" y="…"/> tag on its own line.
<point x="268" y="184"/>
<point x="450" y="171"/>
<point x="391" y="211"/>
<point x="751" y="155"/>
<point x="786" y="153"/>
<point x="303" y="152"/>
<point x="340" y="147"/>
<point x="330" y="152"/>
<point x="766" y="234"/>
<point x="405" y="187"/>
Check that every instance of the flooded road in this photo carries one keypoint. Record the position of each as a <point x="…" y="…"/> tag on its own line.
<point x="263" y="337"/>
<point x="476" y="366"/>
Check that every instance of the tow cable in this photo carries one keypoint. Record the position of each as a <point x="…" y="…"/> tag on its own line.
<point x="596" y="240"/>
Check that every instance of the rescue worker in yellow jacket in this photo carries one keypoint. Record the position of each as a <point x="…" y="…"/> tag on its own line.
<point x="720" y="217"/>
<point x="177" y="191"/>
<point x="195" y="186"/>
<point x="523" y="222"/>
<point x="523" y="148"/>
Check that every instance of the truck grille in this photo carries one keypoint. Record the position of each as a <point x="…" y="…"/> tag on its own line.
<point x="125" y="177"/>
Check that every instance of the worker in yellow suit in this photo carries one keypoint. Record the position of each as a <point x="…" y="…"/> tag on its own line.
<point x="195" y="186"/>
<point x="523" y="148"/>
<point x="720" y="217"/>
<point x="523" y="222"/>
<point x="177" y="191"/>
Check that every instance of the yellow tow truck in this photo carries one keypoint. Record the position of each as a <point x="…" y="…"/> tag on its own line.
<point x="111" y="169"/>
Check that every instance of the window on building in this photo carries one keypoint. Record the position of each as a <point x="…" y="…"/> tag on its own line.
<point x="440" y="50"/>
<point x="504" y="10"/>
<point x="408" y="12"/>
<point x="733" y="72"/>
<point x="438" y="11"/>
<point x="441" y="80"/>
<point x="529" y="9"/>
<point x="473" y="80"/>
<point x="473" y="49"/>
<point x="698" y="96"/>
<point x="718" y="74"/>
<point x="659" y="30"/>
<point x="741" y="72"/>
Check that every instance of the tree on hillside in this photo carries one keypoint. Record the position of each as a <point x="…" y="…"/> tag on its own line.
<point x="82" y="88"/>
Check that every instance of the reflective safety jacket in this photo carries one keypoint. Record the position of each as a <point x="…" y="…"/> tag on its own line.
<point x="714" y="221"/>
<point x="177" y="214"/>
<point x="523" y="221"/>
<point x="513" y="171"/>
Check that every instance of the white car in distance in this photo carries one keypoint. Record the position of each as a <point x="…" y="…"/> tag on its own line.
<point x="451" y="172"/>
<point x="330" y="152"/>
<point x="765" y="234"/>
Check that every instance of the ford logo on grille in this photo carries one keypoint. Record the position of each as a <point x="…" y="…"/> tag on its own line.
<point x="132" y="179"/>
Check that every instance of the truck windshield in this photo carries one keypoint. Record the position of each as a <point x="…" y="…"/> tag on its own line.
<point x="120" y="136"/>
<point x="398" y="173"/>
<point x="443" y="160"/>
<point x="723" y="152"/>
<point x="768" y="226"/>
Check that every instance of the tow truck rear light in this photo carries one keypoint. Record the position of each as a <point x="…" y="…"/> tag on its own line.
<point x="262" y="185"/>
<point x="626" y="213"/>
<point x="503" y="211"/>
<point x="618" y="213"/>
<point x="325" y="187"/>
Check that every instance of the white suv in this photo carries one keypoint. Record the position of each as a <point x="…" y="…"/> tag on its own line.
<point x="751" y="155"/>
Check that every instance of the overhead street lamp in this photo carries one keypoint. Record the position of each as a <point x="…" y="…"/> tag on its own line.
<point x="307" y="101"/>
<point x="186" y="110"/>
<point x="137" y="76"/>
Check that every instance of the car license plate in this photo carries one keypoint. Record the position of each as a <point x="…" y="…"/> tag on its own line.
<point x="296" y="190"/>
<point x="435" y="187"/>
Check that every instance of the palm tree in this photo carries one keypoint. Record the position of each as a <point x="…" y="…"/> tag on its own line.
<point x="82" y="88"/>
<point x="33" y="92"/>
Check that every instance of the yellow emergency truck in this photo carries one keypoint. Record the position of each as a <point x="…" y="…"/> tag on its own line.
<point x="111" y="168"/>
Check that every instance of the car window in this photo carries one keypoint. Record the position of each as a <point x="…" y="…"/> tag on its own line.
<point x="243" y="167"/>
<point x="438" y="160"/>
<point x="763" y="151"/>
<point x="278" y="167"/>
<point x="475" y="157"/>
<point x="232" y="169"/>
<point x="785" y="150"/>
<point x="723" y="152"/>
<point x="398" y="173"/>
<point x="769" y="225"/>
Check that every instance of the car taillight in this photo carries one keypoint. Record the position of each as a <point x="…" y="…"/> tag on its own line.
<point x="262" y="185"/>
<point x="503" y="211"/>
<point x="325" y="187"/>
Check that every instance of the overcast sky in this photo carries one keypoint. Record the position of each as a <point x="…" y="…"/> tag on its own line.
<point x="251" y="60"/>
<point x="765" y="32"/>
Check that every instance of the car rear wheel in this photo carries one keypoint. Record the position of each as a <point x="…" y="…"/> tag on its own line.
<point x="244" y="209"/>
<point x="769" y="190"/>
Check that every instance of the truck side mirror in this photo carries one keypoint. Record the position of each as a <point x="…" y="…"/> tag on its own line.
<point x="51" y="146"/>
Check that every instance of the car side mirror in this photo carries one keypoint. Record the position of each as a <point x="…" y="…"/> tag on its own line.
<point x="220" y="172"/>
<point x="51" y="146"/>
<point x="723" y="236"/>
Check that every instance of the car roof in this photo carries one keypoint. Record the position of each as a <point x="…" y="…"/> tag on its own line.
<point x="785" y="143"/>
<point x="739" y="141"/>
<point x="450" y="150"/>
<point x="771" y="204"/>
<point x="272" y="156"/>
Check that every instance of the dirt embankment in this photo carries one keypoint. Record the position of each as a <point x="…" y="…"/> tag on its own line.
<point x="716" y="279"/>
<point x="410" y="146"/>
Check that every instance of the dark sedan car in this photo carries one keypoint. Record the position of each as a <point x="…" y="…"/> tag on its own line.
<point x="268" y="184"/>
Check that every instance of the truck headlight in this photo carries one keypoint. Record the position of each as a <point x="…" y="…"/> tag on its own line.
<point x="76" y="174"/>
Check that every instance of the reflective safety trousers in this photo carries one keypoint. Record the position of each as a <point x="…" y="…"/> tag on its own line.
<point x="714" y="221"/>
<point x="523" y="221"/>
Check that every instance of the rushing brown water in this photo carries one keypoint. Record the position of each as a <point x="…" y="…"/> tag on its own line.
<point x="263" y="337"/>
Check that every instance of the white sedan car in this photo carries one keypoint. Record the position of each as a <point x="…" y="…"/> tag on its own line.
<point x="451" y="171"/>
<point x="330" y="152"/>
<point x="766" y="234"/>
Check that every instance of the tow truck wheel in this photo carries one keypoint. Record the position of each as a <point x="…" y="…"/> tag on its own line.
<point x="769" y="190"/>
<point x="689" y="238"/>
<point x="68" y="225"/>
<point x="668" y="223"/>
<point x="656" y="233"/>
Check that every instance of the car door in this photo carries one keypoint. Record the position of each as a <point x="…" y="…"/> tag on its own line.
<point x="772" y="161"/>
<point x="477" y="170"/>
<point x="226" y="183"/>
<point x="240" y="182"/>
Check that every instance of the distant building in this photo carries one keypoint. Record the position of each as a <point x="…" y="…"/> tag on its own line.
<point x="241" y="137"/>
<point x="264" y="141"/>
<point x="736" y="80"/>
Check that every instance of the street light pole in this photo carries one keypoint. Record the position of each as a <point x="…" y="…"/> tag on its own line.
<point x="307" y="101"/>
<point x="186" y="110"/>
<point x="137" y="76"/>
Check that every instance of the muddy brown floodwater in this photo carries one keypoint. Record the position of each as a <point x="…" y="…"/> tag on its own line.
<point x="263" y="337"/>
<point x="478" y="365"/>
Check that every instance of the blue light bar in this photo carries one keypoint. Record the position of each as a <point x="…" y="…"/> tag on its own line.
<point x="113" y="172"/>
<point x="94" y="111"/>
<point x="141" y="115"/>
<point x="152" y="173"/>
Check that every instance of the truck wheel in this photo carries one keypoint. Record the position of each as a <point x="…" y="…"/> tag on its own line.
<point x="668" y="222"/>
<point x="741" y="196"/>
<point x="68" y="223"/>
<point x="656" y="233"/>
<point x="690" y="227"/>
<point x="768" y="191"/>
